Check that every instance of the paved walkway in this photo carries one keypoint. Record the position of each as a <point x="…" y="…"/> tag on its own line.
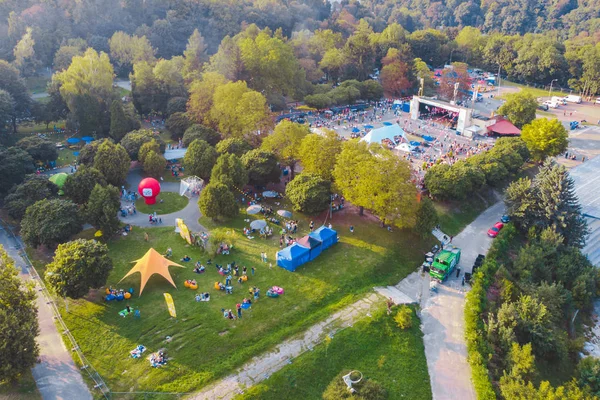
<point x="442" y="313"/>
<point x="56" y="375"/>
<point x="261" y="367"/>
<point x="190" y="213"/>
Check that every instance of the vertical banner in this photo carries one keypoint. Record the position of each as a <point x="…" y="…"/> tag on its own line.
<point x="170" y="305"/>
<point x="183" y="230"/>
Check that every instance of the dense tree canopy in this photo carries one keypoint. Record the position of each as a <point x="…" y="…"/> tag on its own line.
<point x="39" y="149"/>
<point x="236" y="146"/>
<point x="285" y="142"/>
<point x="34" y="188"/>
<point x="79" y="185"/>
<point x="18" y="322"/>
<point x="16" y="164"/>
<point x="113" y="162"/>
<point x="545" y="138"/>
<point x="133" y="141"/>
<point x="50" y="222"/>
<point x="318" y="153"/>
<point x="200" y="159"/>
<point x="198" y="131"/>
<point x="102" y="208"/>
<point x="217" y="201"/>
<point x="519" y="108"/>
<point x="78" y="266"/>
<point x="230" y="171"/>
<point x="261" y="166"/>
<point x="309" y="193"/>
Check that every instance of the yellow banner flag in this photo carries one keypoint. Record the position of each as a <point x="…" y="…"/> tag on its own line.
<point x="183" y="230"/>
<point x="170" y="305"/>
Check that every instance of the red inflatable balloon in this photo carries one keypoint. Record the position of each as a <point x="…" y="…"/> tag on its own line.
<point x="149" y="188"/>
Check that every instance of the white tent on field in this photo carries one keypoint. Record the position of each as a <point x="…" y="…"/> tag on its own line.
<point x="190" y="186"/>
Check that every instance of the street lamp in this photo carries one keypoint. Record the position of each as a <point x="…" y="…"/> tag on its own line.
<point x="550" y="91"/>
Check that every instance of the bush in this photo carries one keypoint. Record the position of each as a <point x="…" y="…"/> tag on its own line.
<point x="403" y="317"/>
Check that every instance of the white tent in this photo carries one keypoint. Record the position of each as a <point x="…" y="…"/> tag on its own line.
<point x="190" y="186"/>
<point x="175" y="154"/>
<point x="386" y="132"/>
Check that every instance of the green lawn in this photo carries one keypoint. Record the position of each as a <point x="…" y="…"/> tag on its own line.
<point x="375" y="346"/>
<point x="534" y="91"/>
<point x="25" y="389"/>
<point x="171" y="202"/>
<point x="455" y="215"/>
<point x="37" y="84"/>
<point x="203" y="345"/>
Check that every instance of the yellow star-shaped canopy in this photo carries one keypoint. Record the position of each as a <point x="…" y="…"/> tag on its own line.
<point x="152" y="263"/>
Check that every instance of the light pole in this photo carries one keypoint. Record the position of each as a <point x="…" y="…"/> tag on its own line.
<point x="550" y="91"/>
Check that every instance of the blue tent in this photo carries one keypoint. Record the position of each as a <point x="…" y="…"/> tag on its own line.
<point x="293" y="256"/>
<point x="355" y="130"/>
<point x="314" y="246"/>
<point x="327" y="236"/>
<point x="387" y="123"/>
<point x="73" y="140"/>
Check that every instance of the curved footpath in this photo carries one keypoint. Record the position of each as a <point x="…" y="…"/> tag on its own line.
<point x="190" y="213"/>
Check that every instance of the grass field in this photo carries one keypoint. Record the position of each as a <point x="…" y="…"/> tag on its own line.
<point x="374" y="346"/>
<point x="534" y="91"/>
<point x="203" y="346"/>
<point x="37" y="84"/>
<point x="454" y="216"/>
<point x="171" y="202"/>
<point x="25" y="389"/>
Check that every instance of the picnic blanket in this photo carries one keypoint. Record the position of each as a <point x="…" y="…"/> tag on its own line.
<point x="138" y="351"/>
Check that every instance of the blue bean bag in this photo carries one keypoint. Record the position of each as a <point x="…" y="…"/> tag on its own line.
<point x="110" y="297"/>
<point x="120" y="297"/>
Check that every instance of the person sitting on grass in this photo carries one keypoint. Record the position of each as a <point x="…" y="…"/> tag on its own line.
<point x="198" y="298"/>
<point x="186" y="258"/>
<point x="169" y="253"/>
<point x="199" y="268"/>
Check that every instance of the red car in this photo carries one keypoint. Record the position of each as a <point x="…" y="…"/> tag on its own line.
<point x="495" y="230"/>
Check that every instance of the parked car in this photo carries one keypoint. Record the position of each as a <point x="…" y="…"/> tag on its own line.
<point x="505" y="219"/>
<point x="543" y="107"/>
<point x="598" y="100"/>
<point x="495" y="230"/>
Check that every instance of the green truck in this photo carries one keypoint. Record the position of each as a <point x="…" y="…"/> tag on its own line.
<point x="444" y="263"/>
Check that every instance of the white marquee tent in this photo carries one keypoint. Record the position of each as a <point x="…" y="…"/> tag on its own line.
<point x="386" y="132"/>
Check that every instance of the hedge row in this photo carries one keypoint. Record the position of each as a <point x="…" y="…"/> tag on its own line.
<point x="478" y="348"/>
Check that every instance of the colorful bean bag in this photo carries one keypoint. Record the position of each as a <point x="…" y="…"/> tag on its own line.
<point x="124" y="313"/>
<point x="277" y="289"/>
<point x="246" y="306"/>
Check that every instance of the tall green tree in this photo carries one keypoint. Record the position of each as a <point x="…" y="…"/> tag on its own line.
<point x="102" y="209"/>
<point x="202" y="91"/>
<point x="19" y="327"/>
<point x="11" y="82"/>
<point x="201" y="132"/>
<point x="545" y="138"/>
<point x="519" y="108"/>
<point x="177" y="124"/>
<point x="34" y="188"/>
<point x="217" y="202"/>
<point x="134" y="140"/>
<point x="119" y="123"/>
<point x="200" y="159"/>
<point x="7" y="109"/>
<point x="154" y="164"/>
<point x="39" y="149"/>
<point x="230" y="171"/>
<point x="236" y="146"/>
<point x="16" y="164"/>
<point x="79" y="185"/>
<point x="309" y="193"/>
<point x="78" y="266"/>
<point x="194" y="56"/>
<point x="113" y="162"/>
<point x="285" y="142"/>
<point x="318" y="153"/>
<point x="261" y="166"/>
<point x="86" y="87"/>
<point x="147" y="147"/>
<point x="50" y="222"/>
<point x="126" y="50"/>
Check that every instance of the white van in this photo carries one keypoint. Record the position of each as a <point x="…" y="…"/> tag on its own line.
<point x="559" y="100"/>
<point x="598" y="100"/>
<point x="551" y="104"/>
<point x="573" y="99"/>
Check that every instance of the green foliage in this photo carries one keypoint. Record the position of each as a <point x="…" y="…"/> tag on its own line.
<point x="309" y="193"/>
<point x="261" y="166"/>
<point x="403" y="317"/>
<point x="427" y="217"/>
<point x="200" y="159"/>
<point x="319" y="101"/>
<point x="318" y="153"/>
<point x="50" y="222"/>
<point x="366" y="390"/>
<point x="588" y="372"/>
<point x="34" y="188"/>
<point x="218" y="237"/>
<point x="154" y="164"/>
<point x="39" y="149"/>
<point x="120" y="124"/>
<point x="12" y="83"/>
<point x="201" y="96"/>
<point x="102" y="209"/>
<point x="113" y="162"/>
<point x="177" y="124"/>
<point x="79" y="185"/>
<point x="374" y="178"/>
<point x="519" y="389"/>
<point x="146" y="148"/>
<point x="176" y="104"/>
<point x="217" y="202"/>
<point x="285" y="142"/>
<point x="519" y="108"/>
<point x="88" y="153"/>
<point x="19" y="327"/>
<point x="230" y="171"/>
<point x="7" y="109"/>
<point x="236" y="146"/>
<point x="78" y="266"/>
<point x="15" y="165"/>
<point x="133" y="141"/>
<point x="127" y="50"/>
<point x="548" y="201"/>
<point x="200" y="132"/>
<point x="545" y="138"/>
<point x="86" y="87"/>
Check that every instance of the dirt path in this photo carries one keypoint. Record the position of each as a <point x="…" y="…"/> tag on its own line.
<point x="261" y="367"/>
